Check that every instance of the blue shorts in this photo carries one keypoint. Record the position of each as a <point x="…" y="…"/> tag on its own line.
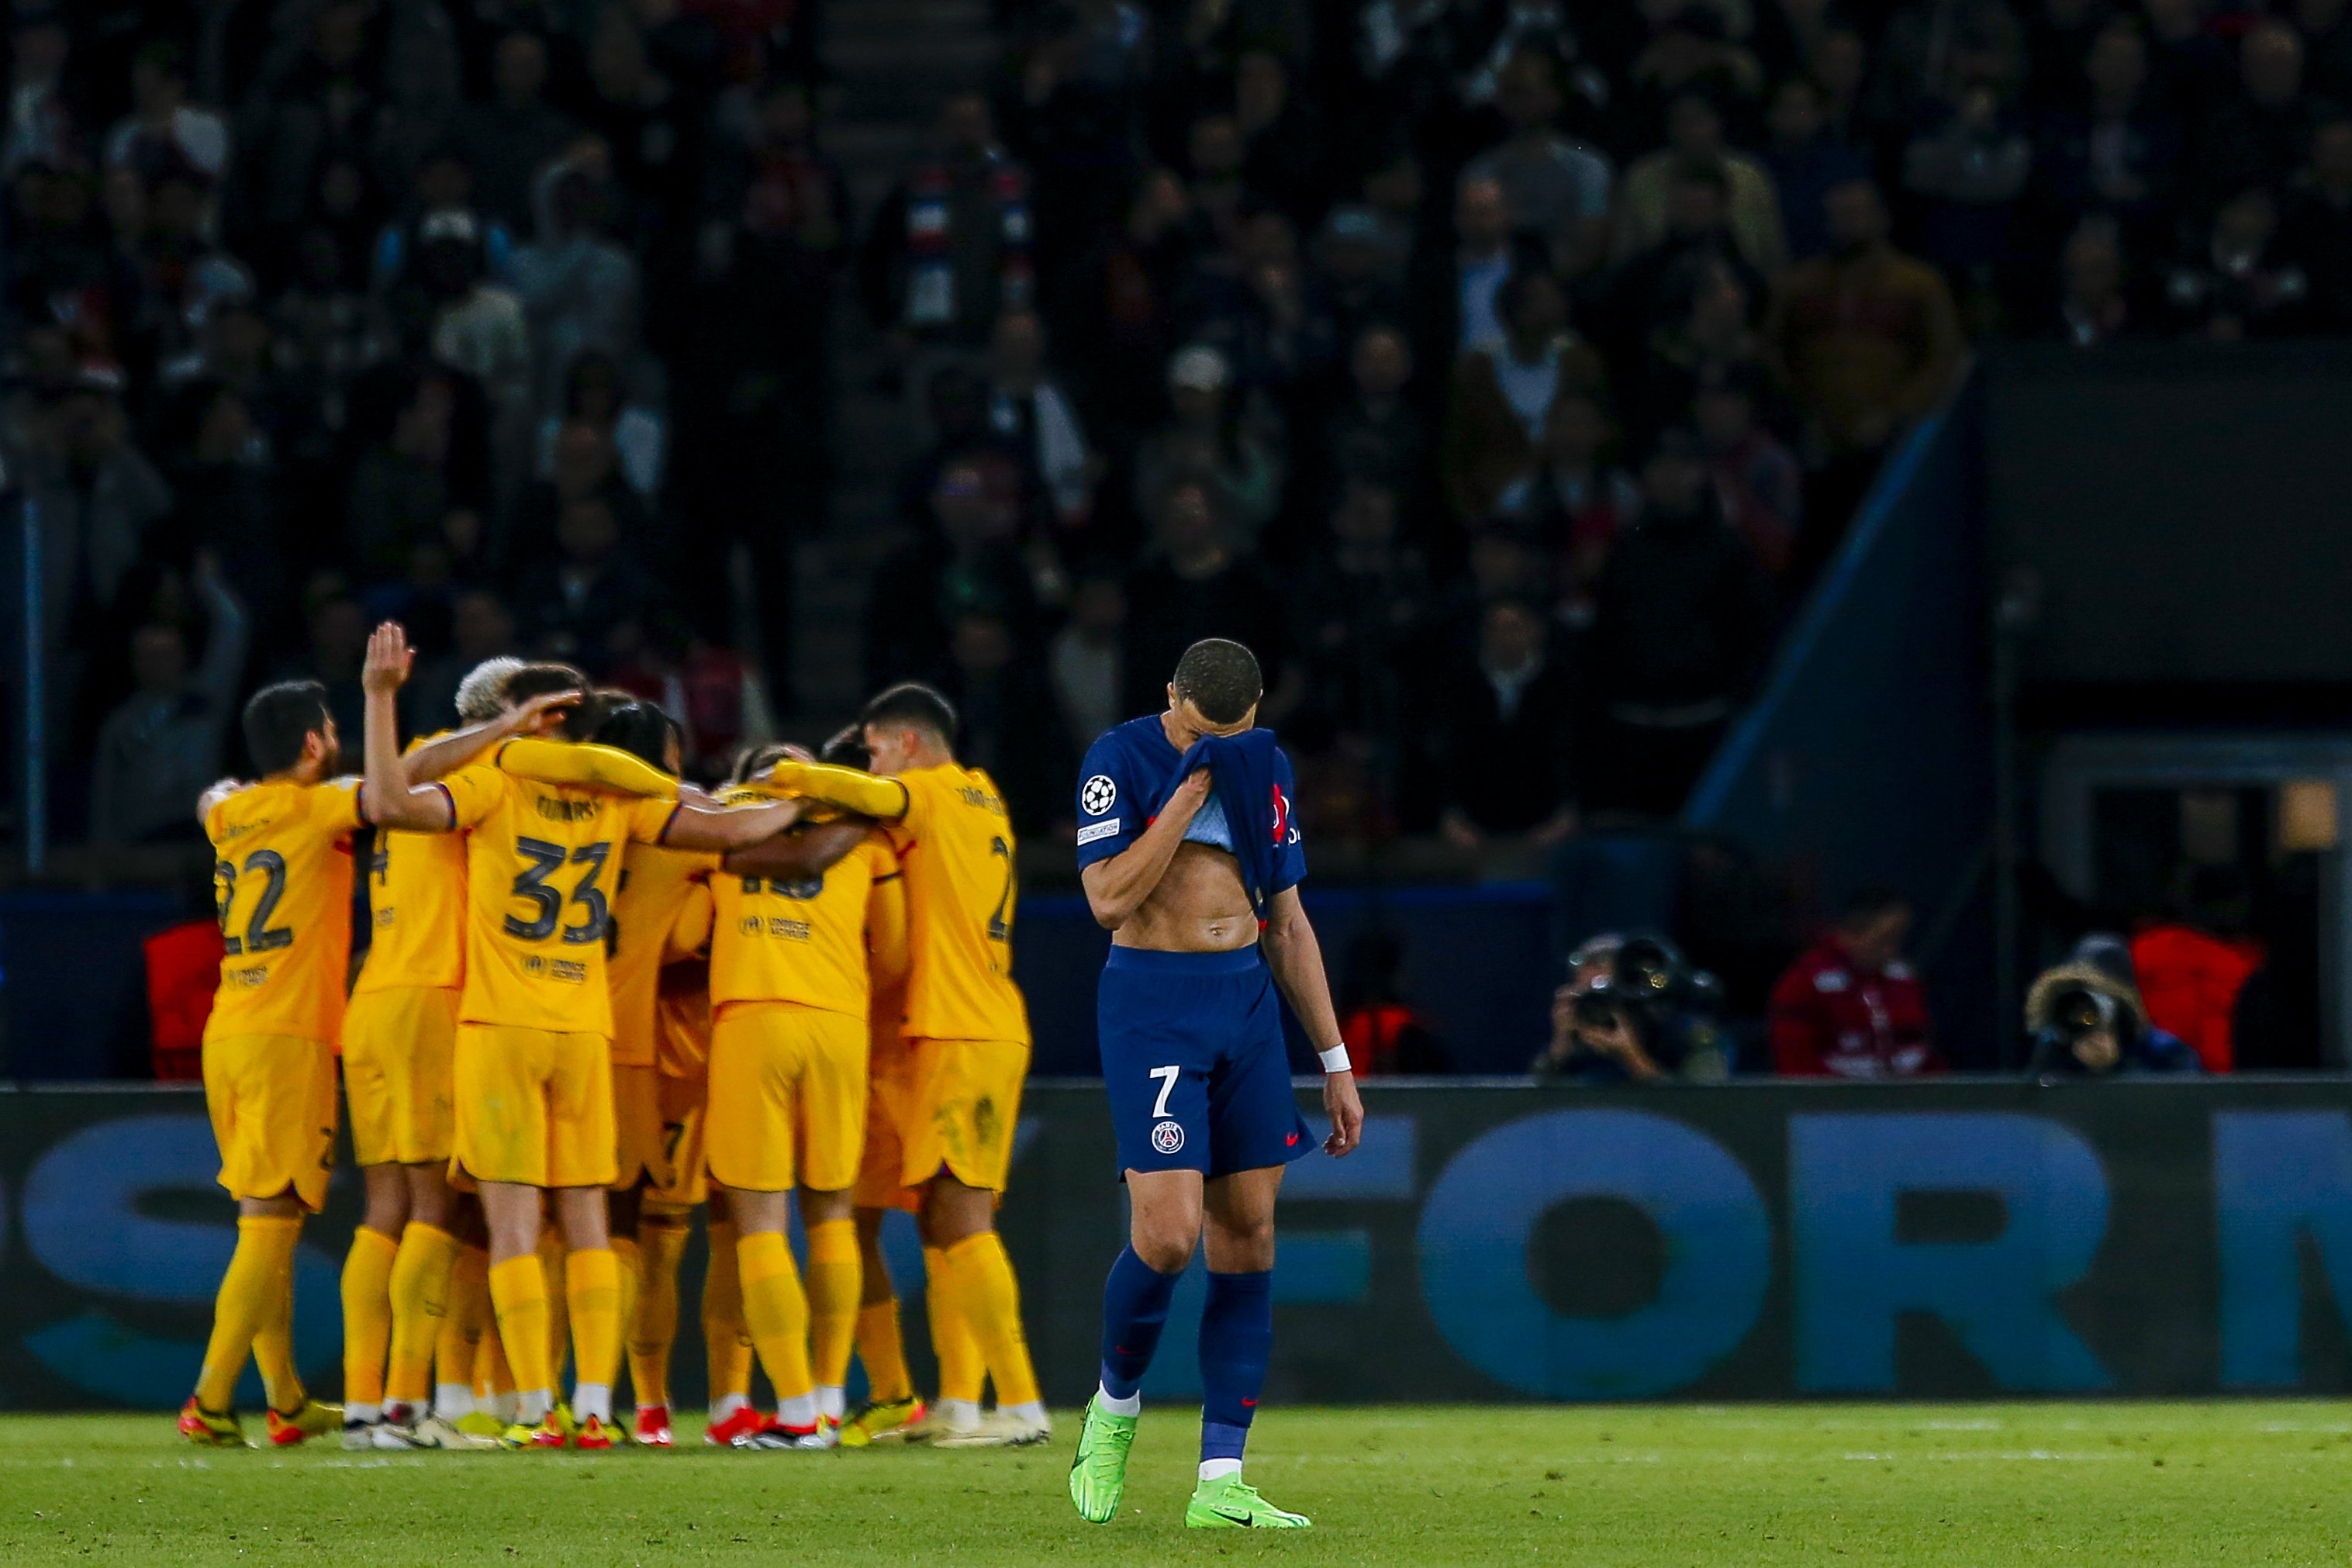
<point x="1193" y="1058"/>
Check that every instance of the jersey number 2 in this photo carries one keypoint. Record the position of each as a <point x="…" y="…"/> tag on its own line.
<point x="1000" y="924"/>
<point x="531" y="884"/>
<point x="260" y="936"/>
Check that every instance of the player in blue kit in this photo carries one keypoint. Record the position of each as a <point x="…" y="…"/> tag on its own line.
<point x="1191" y="857"/>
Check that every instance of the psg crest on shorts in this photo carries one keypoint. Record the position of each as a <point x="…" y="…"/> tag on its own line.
<point x="1168" y="1137"/>
<point x="1099" y="795"/>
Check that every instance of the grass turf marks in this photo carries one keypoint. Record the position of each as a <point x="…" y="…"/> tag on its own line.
<point x="2221" y="1485"/>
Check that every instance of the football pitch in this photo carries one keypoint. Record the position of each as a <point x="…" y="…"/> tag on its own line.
<point x="2215" y="1484"/>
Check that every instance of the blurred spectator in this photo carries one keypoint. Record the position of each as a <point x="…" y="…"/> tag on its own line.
<point x="1759" y="483"/>
<point x="1208" y="439"/>
<point x="1555" y="186"/>
<point x="951" y="246"/>
<point x="480" y="628"/>
<point x="1806" y="158"/>
<point x="1682" y="622"/>
<point x="97" y="499"/>
<point x="2084" y="1019"/>
<point x="162" y="747"/>
<point x="2315" y="222"/>
<point x="1695" y="135"/>
<point x="579" y="289"/>
<point x="1966" y="167"/>
<point x="576" y="606"/>
<point x="40" y="129"/>
<point x="225" y="483"/>
<point x="1351" y="278"/>
<point x="2241" y="282"/>
<point x="1196" y="583"/>
<point x="2118" y="151"/>
<point x="2192" y="965"/>
<point x="1115" y="307"/>
<point x="1031" y="412"/>
<point x="595" y="396"/>
<point x="401" y="492"/>
<point x="1385" y="1034"/>
<point x="163" y="128"/>
<point x="1495" y="406"/>
<point x="1610" y="1027"/>
<point x="1482" y="259"/>
<point x="508" y="140"/>
<point x="2093" y="306"/>
<point x="1576" y="499"/>
<point x="1006" y="719"/>
<point x="1504" y="734"/>
<point x="1375" y="429"/>
<point x="2258" y="135"/>
<point x="1357" y="602"/>
<point x="1866" y="338"/>
<point x="2326" y="29"/>
<point x="339" y="626"/>
<point x="1851" y="1007"/>
<point x="968" y="563"/>
<point x="1084" y="660"/>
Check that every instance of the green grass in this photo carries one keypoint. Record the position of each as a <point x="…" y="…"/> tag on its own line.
<point x="2215" y="1485"/>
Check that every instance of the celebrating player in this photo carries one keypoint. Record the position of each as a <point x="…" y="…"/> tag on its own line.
<point x="283" y="876"/>
<point x="532" y="1062"/>
<point x="1191" y="857"/>
<point x="967" y="1034"/>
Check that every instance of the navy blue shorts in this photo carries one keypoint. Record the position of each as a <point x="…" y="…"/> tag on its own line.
<point x="1193" y="1058"/>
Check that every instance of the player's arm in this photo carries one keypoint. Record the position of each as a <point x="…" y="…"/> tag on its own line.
<point x="444" y="754"/>
<point x="695" y="825"/>
<point x="220" y="791"/>
<point x="1118" y="885"/>
<point x="1295" y="957"/>
<point x="586" y="764"/>
<point x="810" y="851"/>
<point x="387" y="797"/>
<point x="883" y="799"/>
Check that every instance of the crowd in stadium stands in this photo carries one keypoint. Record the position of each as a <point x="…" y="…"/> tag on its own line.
<point x="1500" y="372"/>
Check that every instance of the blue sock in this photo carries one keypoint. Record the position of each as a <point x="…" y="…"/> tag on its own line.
<point x="1236" y="1339"/>
<point x="1135" y="1309"/>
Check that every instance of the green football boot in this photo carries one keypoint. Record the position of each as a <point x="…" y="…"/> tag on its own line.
<point x="1098" y="1475"/>
<point x="1230" y="1503"/>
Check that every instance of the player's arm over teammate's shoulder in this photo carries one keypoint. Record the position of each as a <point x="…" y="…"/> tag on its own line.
<point x="809" y="850"/>
<point x="584" y="763"/>
<point x="848" y="788"/>
<point x="443" y="754"/>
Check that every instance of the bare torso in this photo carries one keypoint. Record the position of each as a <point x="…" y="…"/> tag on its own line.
<point x="1199" y="906"/>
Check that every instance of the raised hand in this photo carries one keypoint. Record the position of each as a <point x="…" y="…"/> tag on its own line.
<point x="389" y="658"/>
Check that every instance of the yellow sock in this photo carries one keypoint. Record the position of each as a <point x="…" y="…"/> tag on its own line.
<point x="989" y="1298"/>
<point x="367" y="1314"/>
<point x="882" y="1351"/>
<point x="420" y="1300"/>
<point x="775" y="1311"/>
<point x="558" y="1320"/>
<point x="627" y="1262"/>
<point x="493" y="1374"/>
<point x="519" y="1291"/>
<point x="459" y="1347"/>
<point x="592" y="1288"/>
<point x="724" y="1340"/>
<point x="834" y="1281"/>
<point x="248" y="1298"/>
<point x="273" y="1345"/>
<point x="962" y="1372"/>
<point x="660" y="1244"/>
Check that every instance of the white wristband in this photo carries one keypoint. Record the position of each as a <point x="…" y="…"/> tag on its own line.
<point x="1336" y="1059"/>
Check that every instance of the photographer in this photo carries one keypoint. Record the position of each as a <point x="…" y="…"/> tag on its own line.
<point x="2086" y="1019"/>
<point x="1633" y="1012"/>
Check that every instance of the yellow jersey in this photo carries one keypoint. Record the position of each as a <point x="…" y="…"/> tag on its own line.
<point x="541" y="861"/>
<point x="282" y="882"/>
<point x="885" y="963"/>
<point x="778" y="940"/>
<point x="656" y="885"/>
<point x="417" y="909"/>
<point x="955" y="846"/>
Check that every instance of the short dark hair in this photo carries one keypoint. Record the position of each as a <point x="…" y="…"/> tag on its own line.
<point x="1220" y="679"/>
<point x="914" y="705"/>
<point x="278" y="718"/>
<point x="638" y="728"/>
<point x="1868" y="902"/>
<point x="545" y="679"/>
<point x="846" y="749"/>
<point x="752" y="761"/>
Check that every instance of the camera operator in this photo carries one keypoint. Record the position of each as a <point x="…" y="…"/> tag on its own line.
<point x="2086" y="1019"/>
<point x="1633" y="1011"/>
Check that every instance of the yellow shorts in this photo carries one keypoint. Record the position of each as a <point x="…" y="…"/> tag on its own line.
<point x="965" y="1104"/>
<point x="683" y="1101"/>
<point x="644" y="1152"/>
<point x="399" y="1046"/>
<point x="882" y="1173"/>
<point x="787" y="1098"/>
<point x="534" y="1106"/>
<point x="272" y="1101"/>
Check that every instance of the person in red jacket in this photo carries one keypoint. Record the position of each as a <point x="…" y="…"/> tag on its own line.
<point x="1851" y="1007"/>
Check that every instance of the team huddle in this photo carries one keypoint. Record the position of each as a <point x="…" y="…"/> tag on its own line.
<point x="595" y="998"/>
